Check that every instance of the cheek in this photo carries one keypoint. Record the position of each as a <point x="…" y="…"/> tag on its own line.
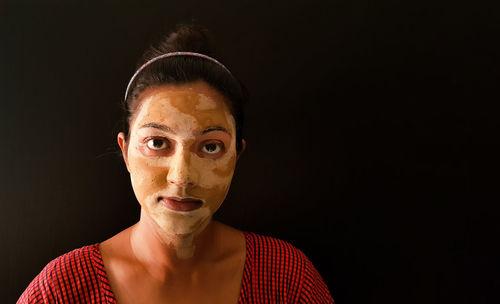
<point x="214" y="173"/>
<point x="146" y="179"/>
<point x="215" y="179"/>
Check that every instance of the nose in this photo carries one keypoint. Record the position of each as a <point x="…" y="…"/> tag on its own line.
<point x="181" y="173"/>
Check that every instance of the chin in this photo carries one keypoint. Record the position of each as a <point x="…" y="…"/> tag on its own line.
<point x="182" y="223"/>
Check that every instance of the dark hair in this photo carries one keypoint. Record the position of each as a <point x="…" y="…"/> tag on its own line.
<point x="185" y="69"/>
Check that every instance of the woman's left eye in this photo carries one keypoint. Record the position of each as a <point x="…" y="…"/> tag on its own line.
<point x="211" y="148"/>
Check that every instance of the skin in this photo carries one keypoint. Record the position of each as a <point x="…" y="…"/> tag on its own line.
<point x="182" y="144"/>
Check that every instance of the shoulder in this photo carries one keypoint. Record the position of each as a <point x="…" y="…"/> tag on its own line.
<point x="80" y="260"/>
<point x="67" y="278"/>
<point x="269" y="253"/>
<point x="75" y="256"/>
<point x="286" y="269"/>
<point x="272" y="250"/>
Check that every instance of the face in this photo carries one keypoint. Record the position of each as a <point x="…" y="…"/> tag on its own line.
<point x="181" y="155"/>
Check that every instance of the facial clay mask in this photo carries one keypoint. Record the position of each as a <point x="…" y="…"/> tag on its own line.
<point x="181" y="155"/>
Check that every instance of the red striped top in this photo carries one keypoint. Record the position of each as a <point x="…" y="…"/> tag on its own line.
<point x="274" y="272"/>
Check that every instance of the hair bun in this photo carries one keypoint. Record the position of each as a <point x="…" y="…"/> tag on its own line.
<point x="190" y="38"/>
<point x="186" y="38"/>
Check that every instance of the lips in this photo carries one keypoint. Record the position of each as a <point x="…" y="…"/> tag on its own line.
<point x="180" y="204"/>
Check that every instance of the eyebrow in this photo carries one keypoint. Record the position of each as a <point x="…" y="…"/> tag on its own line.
<point x="157" y="126"/>
<point x="169" y="130"/>
<point x="216" y="128"/>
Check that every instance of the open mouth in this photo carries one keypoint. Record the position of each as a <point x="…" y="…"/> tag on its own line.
<point x="180" y="204"/>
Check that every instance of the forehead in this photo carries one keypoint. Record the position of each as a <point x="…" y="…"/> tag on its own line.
<point x="185" y="107"/>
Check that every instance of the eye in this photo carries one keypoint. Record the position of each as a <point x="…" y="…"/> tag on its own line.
<point x="212" y="148"/>
<point x="157" y="143"/>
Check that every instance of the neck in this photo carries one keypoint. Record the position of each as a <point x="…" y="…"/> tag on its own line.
<point x="162" y="251"/>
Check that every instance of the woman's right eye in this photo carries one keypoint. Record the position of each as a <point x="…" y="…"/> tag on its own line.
<point x="157" y="144"/>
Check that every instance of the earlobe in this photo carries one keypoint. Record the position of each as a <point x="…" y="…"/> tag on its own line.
<point x="243" y="147"/>
<point x="122" y="142"/>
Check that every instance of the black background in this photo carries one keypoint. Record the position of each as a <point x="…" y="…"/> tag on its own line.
<point x="372" y="135"/>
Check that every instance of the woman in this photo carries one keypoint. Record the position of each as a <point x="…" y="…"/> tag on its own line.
<point x="181" y="143"/>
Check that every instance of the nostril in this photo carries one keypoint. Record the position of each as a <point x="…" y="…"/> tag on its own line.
<point x="179" y="183"/>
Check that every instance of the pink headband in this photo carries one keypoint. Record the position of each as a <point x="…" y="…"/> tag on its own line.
<point x="170" y="55"/>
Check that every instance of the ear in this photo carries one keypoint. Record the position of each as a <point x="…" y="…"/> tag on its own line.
<point x="243" y="147"/>
<point x="122" y="142"/>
